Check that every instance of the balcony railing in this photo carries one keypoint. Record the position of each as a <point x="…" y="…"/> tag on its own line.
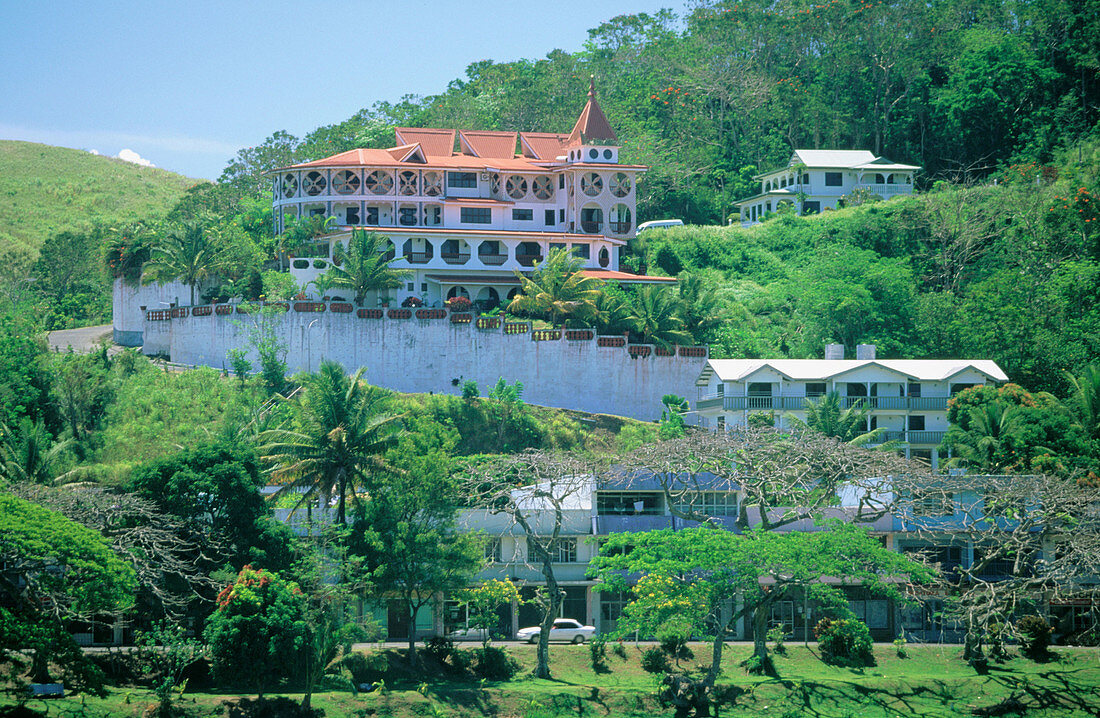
<point x="455" y="258"/>
<point x="418" y="257"/>
<point x="528" y="260"/>
<point x="493" y="259"/>
<point x="797" y="403"/>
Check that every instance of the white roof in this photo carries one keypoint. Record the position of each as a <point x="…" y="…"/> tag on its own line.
<point x="822" y="369"/>
<point x="832" y="158"/>
<point x="886" y="165"/>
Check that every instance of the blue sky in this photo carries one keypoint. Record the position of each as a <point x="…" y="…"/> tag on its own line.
<point x="184" y="85"/>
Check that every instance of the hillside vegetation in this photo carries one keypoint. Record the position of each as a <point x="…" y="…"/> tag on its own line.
<point x="48" y="190"/>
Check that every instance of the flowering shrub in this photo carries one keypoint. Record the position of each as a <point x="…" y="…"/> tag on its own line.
<point x="258" y="634"/>
<point x="412" y="302"/>
<point x="459" y="304"/>
<point x="844" y="642"/>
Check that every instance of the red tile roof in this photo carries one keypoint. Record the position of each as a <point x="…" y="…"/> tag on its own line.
<point x="436" y="142"/>
<point x="543" y="145"/>
<point x="592" y="126"/>
<point x="611" y="275"/>
<point x="486" y="144"/>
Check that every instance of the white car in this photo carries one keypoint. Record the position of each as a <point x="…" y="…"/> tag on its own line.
<point x="564" y="629"/>
<point x="660" y="224"/>
<point x="468" y="634"/>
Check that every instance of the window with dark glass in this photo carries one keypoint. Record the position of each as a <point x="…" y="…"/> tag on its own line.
<point x="406" y="216"/>
<point x="912" y="389"/>
<point x="372" y="215"/>
<point x="521" y="215"/>
<point x="815" y="388"/>
<point x="351" y="215"/>
<point x="834" y="179"/>
<point x="582" y="250"/>
<point x="476" y="215"/>
<point x="462" y="180"/>
<point x="916" y="422"/>
<point x="548" y="217"/>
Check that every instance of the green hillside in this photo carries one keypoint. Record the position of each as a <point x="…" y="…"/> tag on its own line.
<point x="48" y="189"/>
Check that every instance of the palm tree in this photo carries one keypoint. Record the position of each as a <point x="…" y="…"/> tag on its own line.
<point x="186" y="253"/>
<point x="848" y="425"/>
<point x="1084" y="403"/>
<point x="993" y="426"/>
<point x="30" y="455"/>
<point x="363" y="266"/>
<point x="614" y="315"/>
<point x="658" y="318"/>
<point x="558" y="290"/>
<point x="324" y="283"/>
<point x="338" y="442"/>
<point x="699" y="307"/>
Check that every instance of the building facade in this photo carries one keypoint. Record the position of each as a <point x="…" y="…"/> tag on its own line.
<point x="816" y="180"/>
<point x="464" y="210"/>
<point x="906" y="397"/>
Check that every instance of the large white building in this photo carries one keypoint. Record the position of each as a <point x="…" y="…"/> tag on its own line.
<point x="815" y="181"/>
<point x="464" y="209"/>
<point x="906" y="397"/>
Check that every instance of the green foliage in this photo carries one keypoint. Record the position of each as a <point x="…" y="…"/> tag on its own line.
<point x="470" y="390"/>
<point x="363" y="266"/>
<point x="190" y="254"/>
<point x="494" y="664"/>
<point x="166" y="652"/>
<point x="1035" y="637"/>
<point x="777" y="635"/>
<point x="900" y="647"/>
<point x="845" y="642"/>
<point x="557" y="291"/>
<point x="482" y="602"/>
<point x="258" y="634"/>
<point x="597" y="654"/>
<point x="655" y="660"/>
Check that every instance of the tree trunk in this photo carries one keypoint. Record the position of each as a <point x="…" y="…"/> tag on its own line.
<point x="715" y="659"/>
<point x="554" y="596"/>
<point x="412" y="633"/>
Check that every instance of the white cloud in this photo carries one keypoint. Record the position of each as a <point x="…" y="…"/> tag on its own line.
<point x="129" y="155"/>
<point x="93" y="152"/>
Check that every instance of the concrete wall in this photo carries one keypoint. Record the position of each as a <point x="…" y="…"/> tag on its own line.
<point x="128" y="298"/>
<point x="434" y="355"/>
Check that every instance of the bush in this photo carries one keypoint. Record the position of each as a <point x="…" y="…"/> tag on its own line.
<point x="1034" y="634"/>
<point x="440" y="648"/>
<point x="470" y="390"/>
<point x="459" y="304"/>
<point x="280" y="707"/>
<point x="654" y="660"/>
<point x="619" y="650"/>
<point x="674" y="643"/>
<point x="494" y="664"/>
<point x="844" y="642"/>
<point x="597" y="654"/>
<point x="366" y="668"/>
<point x="776" y="636"/>
<point x="899" y="647"/>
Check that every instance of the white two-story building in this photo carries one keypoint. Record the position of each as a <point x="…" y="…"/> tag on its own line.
<point x="815" y="181"/>
<point x="465" y="209"/>
<point x="906" y="397"/>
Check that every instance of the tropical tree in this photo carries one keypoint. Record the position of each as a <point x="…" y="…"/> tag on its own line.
<point x="187" y="253"/>
<point x="324" y="283"/>
<point x="558" y="290"/>
<point x="337" y="444"/>
<point x="614" y="314"/>
<point x="658" y="318"/>
<point x="1084" y="402"/>
<point x="699" y="307"/>
<point x="30" y="455"/>
<point x="363" y="266"/>
<point x="827" y="416"/>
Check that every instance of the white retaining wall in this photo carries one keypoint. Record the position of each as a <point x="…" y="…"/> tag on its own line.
<point x="434" y="355"/>
<point x="128" y="298"/>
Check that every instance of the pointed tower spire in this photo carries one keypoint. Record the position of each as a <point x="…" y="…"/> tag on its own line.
<point x="592" y="127"/>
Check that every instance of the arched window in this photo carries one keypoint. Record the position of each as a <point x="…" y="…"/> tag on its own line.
<point x="619" y="220"/>
<point x="604" y="257"/>
<point x="458" y="292"/>
<point x="591" y="219"/>
<point x="488" y="298"/>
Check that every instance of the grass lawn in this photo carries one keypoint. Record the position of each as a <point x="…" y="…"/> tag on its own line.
<point x="933" y="681"/>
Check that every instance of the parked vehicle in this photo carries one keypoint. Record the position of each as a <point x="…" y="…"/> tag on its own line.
<point x="564" y="629"/>
<point x="660" y="224"/>
<point x="468" y="634"/>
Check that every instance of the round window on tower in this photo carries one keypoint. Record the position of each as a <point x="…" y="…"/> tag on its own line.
<point x="594" y="154"/>
<point x="379" y="182"/>
<point x="607" y="154"/>
<point x="516" y="187"/>
<point x="543" y="187"/>
<point x="591" y="184"/>
<point x="345" y="182"/>
<point x="314" y="184"/>
<point x="290" y="184"/>
<point x="620" y="184"/>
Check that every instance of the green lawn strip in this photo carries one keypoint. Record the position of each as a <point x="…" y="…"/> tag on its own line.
<point x="933" y="681"/>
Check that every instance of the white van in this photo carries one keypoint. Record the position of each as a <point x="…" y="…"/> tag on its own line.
<point x="660" y="224"/>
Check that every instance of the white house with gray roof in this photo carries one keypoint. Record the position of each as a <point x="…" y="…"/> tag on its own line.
<point x="815" y="181"/>
<point x="906" y="397"/>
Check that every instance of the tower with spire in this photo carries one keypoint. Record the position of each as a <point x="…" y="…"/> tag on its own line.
<point x="592" y="138"/>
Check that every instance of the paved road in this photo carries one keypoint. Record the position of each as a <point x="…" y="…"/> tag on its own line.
<point x="82" y="340"/>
